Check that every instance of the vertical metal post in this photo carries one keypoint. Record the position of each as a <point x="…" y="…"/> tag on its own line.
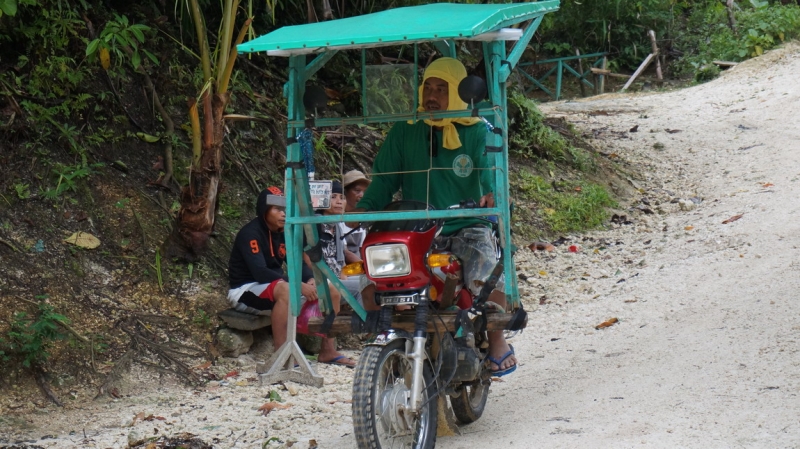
<point x="288" y="361"/>
<point x="559" y="70"/>
<point x="296" y="111"/>
<point x="415" y="87"/>
<point x="364" y="111"/>
<point x="495" y="54"/>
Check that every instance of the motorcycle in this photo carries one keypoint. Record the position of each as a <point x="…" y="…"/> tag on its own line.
<point x="402" y="373"/>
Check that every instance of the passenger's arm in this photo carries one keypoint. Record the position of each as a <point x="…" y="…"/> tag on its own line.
<point x="351" y="257"/>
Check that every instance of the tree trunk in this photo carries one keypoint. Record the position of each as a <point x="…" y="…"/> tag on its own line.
<point x="200" y="198"/>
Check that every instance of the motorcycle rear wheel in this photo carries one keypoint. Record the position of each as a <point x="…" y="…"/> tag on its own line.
<point x="469" y="405"/>
<point x="382" y="379"/>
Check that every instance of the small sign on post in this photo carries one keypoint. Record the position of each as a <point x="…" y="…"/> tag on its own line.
<point x="320" y="194"/>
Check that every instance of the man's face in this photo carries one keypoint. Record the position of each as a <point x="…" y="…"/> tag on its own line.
<point x="353" y="194"/>
<point x="435" y="94"/>
<point x="337" y="204"/>
<point x="276" y="218"/>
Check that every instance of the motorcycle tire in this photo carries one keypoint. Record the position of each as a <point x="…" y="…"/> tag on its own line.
<point x="381" y="379"/>
<point x="468" y="406"/>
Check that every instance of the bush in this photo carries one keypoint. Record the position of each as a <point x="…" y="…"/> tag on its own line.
<point x="566" y="206"/>
<point x="618" y="27"/>
<point x="31" y="338"/>
<point x="531" y="138"/>
<point x="708" y="36"/>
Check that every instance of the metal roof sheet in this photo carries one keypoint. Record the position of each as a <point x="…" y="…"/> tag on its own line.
<point x="435" y="21"/>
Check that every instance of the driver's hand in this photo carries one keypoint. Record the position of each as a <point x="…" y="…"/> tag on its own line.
<point x="487" y="200"/>
<point x="309" y="290"/>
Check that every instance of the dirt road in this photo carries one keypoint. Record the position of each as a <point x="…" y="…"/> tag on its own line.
<point x="705" y="353"/>
<point x="701" y="274"/>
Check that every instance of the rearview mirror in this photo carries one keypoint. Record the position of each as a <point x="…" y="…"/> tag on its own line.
<point x="472" y="89"/>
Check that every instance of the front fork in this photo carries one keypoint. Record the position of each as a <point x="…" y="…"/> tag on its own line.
<point x="415" y="351"/>
<point x="417" y="357"/>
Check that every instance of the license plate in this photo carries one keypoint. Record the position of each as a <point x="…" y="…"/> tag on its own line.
<point x="400" y="299"/>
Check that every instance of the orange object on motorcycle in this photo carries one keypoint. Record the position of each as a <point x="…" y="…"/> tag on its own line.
<point x="439" y="260"/>
<point x="353" y="269"/>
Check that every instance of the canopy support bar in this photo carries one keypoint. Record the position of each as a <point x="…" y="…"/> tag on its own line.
<point x="318" y="62"/>
<point x="519" y="48"/>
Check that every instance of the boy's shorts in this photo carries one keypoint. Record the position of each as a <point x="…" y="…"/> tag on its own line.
<point x="254" y="298"/>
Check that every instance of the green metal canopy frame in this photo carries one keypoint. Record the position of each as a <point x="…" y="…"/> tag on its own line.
<point x="440" y="24"/>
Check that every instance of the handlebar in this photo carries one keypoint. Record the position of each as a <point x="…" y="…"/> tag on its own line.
<point x="472" y="204"/>
<point x="465" y="204"/>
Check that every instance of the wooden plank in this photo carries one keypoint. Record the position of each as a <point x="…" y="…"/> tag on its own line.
<point x="445" y="321"/>
<point x="606" y="72"/>
<point x="603" y="78"/>
<point x="652" y="35"/>
<point x="580" y="69"/>
<point x="638" y="71"/>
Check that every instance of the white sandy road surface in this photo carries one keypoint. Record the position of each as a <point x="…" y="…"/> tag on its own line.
<point x="705" y="352"/>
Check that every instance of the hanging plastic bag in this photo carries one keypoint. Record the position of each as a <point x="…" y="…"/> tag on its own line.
<point x="309" y="310"/>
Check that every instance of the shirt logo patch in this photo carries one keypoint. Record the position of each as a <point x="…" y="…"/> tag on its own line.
<point x="462" y="165"/>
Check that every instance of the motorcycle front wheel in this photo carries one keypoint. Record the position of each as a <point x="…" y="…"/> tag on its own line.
<point x="381" y="386"/>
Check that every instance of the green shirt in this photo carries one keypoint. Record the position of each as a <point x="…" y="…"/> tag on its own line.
<point x="440" y="177"/>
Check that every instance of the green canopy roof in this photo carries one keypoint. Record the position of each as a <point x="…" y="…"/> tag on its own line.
<point x="435" y="21"/>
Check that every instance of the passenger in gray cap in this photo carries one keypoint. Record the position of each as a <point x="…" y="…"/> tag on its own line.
<point x="355" y="183"/>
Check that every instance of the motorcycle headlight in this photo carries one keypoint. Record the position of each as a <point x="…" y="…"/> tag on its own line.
<point x="388" y="260"/>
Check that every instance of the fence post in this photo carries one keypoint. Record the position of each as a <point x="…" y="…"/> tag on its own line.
<point x="580" y="70"/>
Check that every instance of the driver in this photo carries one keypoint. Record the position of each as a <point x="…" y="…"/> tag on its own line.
<point x="442" y="162"/>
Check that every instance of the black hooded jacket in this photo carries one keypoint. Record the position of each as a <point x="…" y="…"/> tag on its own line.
<point x="259" y="254"/>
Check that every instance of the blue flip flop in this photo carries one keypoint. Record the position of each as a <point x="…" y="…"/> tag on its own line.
<point x="503" y="372"/>
<point x="336" y="361"/>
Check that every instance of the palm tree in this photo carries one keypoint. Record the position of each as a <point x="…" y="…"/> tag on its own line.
<point x="199" y="199"/>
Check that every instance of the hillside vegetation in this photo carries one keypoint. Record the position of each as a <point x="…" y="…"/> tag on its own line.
<point x="101" y="135"/>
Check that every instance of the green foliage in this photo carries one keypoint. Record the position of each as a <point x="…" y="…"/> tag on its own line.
<point x="30" y="338"/>
<point x="229" y="210"/>
<point x="22" y="190"/>
<point x="202" y="319"/>
<point x="389" y="89"/>
<point x="47" y="26"/>
<point x="566" y="206"/>
<point x="68" y="177"/>
<point x="708" y="36"/>
<point x="274" y="396"/>
<point x="326" y="159"/>
<point x="617" y="26"/>
<point x="533" y="139"/>
<point x="120" y="37"/>
<point x="8" y="7"/>
<point x="54" y="77"/>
